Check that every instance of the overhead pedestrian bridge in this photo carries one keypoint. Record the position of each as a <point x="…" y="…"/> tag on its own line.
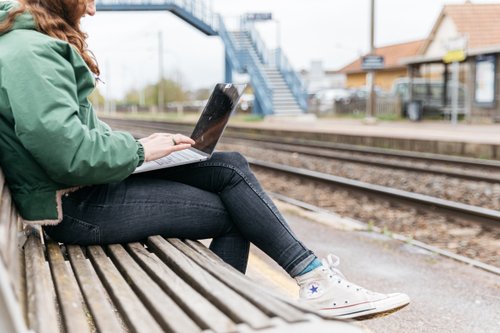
<point x="277" y="87"/>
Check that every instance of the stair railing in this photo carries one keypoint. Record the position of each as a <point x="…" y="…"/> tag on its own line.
<point x="291" y="78"/>
<point x="276" y="57"/>
<point x="257" y="41"/>
<point x="195" y="8"/>
<point x="246" y="61"/>
<point x="230" y="46"/>
<point x="198" y="9"/>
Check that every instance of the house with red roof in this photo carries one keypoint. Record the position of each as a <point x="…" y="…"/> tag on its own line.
<point x="474" y="29"/>
<point x="393" y="68"/>
<point x="467" y="33"/>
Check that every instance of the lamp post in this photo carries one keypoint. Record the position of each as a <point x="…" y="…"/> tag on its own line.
<point x="370" y="76"/>
<point x="161" y="83"/>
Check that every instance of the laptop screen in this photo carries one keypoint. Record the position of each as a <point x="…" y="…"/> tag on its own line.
<point x="215" y="116"/>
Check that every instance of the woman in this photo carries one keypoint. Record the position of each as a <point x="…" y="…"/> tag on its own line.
<point x="69" y="171"/>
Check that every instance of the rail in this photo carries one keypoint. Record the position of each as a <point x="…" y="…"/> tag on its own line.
<point x="483" y="215"/>
<point x="291" y="78"/>
<point x="196" y="12"/>
<point x="276" y="57"/>
<point x="291" y="137"/>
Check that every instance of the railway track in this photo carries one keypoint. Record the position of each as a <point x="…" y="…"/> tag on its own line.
<point x="399" y="237"/>
<point x="450" y="166"/>
<point x="486" y="216"/>
<point x="432" y="210"/>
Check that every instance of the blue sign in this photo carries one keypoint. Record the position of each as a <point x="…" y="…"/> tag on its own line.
<point x="259" y="16"/>
<point x="372" y="62"/>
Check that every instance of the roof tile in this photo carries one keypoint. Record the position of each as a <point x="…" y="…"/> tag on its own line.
<point x="391" y="53"/>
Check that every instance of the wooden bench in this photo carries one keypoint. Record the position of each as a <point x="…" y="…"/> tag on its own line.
<point x="162" y="285"/>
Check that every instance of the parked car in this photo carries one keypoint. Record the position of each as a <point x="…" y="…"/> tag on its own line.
<point x="427" y="99"/>
<point x="246" y="102"/>
<point x="361" y="94"/>
<point x="324" y="99"/>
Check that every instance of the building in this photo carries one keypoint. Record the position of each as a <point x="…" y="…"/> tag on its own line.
<point x="475" y="30"/>
<point x="317" y="78"/>
<point x="393" y="67"/>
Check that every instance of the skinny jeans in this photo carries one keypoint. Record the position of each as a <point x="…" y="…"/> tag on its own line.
<point x="218" y="199"/>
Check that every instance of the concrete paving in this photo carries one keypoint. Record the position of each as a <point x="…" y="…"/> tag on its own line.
<point x="425" y="130"/>
<point x="447" y="296"/>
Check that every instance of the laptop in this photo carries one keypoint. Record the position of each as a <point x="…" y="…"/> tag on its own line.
<point x="208" y="129"/>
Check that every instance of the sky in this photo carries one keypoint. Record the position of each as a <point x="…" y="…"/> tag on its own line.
<point x="335" y="32"/>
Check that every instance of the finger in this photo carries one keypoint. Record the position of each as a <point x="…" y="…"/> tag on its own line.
<point x="161" y="134"/>
<point x="179" y="138"/>
<point x="179" y="147"/>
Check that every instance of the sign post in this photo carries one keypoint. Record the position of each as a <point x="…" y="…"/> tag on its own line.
<point x="456" y="54"/>
<point x="368" y="63"/>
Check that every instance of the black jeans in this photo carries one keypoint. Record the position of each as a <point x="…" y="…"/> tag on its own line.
<point x="219" y="199"/>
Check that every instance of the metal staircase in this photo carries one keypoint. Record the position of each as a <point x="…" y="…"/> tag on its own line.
<point x="277" y="87"/>
<point x="194" y="12"/>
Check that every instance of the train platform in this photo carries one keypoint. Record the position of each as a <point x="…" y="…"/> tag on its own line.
<point x="435" y="137"/>
<point x="447" y="296"/>
<point x="424" y="130"/>
<point x="440" y="137"/>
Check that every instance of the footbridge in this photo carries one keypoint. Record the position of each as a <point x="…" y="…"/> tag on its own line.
<point x="277" y="87"/>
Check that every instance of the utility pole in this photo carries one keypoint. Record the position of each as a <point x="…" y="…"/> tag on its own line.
<point x="161" y="83"/>
<point x="370" y="76"/>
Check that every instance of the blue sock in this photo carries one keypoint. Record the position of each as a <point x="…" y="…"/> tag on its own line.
<point x="314" y="264"/>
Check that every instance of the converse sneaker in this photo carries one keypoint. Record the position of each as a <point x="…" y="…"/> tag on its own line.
<point x="327" y="290"/>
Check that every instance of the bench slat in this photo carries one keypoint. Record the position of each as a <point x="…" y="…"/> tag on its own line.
<point x="161" y="306"/>
<point x="213" y="264"/>
<point x="201" y="310"/>
<point x="233" y="304"/>
<point x="67" y="291"/>
<point x="93" y="292"/>
<point x="5" y="209"/>
<point x="15" y="253"/>
<point x="267" y="293"/>
<point x="134" y="312"/>
<point x="42" y="313"/>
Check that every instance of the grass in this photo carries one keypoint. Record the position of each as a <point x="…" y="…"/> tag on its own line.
<point x="362" y="115"/>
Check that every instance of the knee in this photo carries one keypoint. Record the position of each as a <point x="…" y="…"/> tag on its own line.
<point x="234" y="159"/>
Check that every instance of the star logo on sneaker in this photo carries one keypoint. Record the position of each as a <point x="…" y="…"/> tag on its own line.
<point x="313" y="290"/>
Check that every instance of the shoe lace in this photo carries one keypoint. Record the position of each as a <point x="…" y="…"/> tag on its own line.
<point x="332" y="262"/>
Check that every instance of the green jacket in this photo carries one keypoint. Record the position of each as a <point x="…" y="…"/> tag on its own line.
<point x="51" y="141"/>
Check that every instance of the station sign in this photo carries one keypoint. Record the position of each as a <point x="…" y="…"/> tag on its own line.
<point x="455" y="47"/>
<point x="372" y="62"/>
<point x="454" y="56"/>
<point x="259" y="16"/>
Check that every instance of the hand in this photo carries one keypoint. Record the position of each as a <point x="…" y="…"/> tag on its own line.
<point x="159" y="145"/>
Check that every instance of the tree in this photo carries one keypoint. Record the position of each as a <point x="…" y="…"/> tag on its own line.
<point x="173" y="92"/>
<point x="97" y="99"/>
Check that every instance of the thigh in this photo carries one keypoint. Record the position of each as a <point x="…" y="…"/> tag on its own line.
<point x="139" y="207"/>
<point x="216" y="174"/>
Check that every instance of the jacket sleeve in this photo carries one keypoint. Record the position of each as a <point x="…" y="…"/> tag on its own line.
<point x="42" y="91"/>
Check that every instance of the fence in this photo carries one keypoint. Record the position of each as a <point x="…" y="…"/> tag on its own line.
<point x="387" y="106"/>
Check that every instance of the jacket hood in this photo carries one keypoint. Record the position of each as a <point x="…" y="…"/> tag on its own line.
<point x="23" y="21"/>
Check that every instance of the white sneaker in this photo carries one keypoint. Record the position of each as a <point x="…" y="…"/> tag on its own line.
<point x="327" y="290"/>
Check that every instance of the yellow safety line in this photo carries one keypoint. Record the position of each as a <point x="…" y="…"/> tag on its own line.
<point x="283" y="283"/>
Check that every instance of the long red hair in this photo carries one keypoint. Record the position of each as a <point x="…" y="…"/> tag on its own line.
<point x="59" y="19"/>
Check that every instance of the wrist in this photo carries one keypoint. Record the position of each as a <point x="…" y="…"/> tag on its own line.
<point x="140" y="153"/>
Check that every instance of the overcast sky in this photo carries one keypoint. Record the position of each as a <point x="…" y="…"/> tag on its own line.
<point x="333" y="31"/>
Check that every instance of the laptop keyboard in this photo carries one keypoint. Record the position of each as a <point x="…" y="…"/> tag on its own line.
<point x="179" y="156"/>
